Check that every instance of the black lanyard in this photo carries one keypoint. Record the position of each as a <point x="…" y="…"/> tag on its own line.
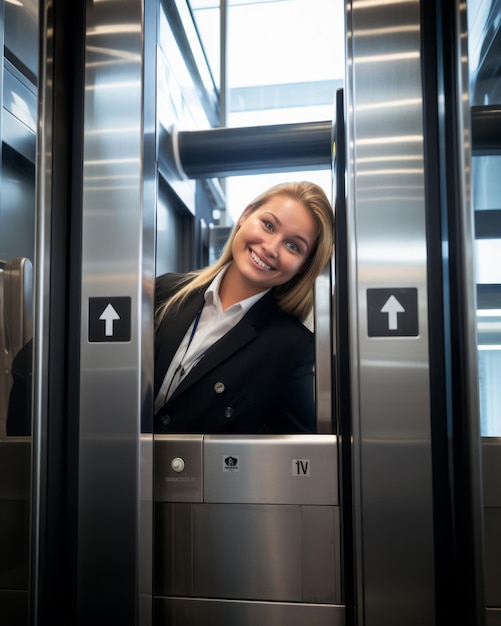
<point x="180" y="367"/>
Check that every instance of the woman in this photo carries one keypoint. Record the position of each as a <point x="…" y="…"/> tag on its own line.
<point x="231" y="352"/>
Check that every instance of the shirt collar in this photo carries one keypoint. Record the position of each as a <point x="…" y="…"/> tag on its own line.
<point x="212" y="294"/>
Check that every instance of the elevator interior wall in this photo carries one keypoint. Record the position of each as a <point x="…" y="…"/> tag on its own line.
<point x="18" y="120"/>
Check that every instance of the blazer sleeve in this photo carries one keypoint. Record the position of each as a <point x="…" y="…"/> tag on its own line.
<point x="297" y="393"/>
<point x="299" y="397"/>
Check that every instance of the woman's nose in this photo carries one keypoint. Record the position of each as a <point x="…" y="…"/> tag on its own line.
<point x="270" y="246"/>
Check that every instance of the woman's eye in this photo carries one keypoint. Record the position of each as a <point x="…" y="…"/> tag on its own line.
<point x="268" y="226"/>
<point x="292" y="246"/>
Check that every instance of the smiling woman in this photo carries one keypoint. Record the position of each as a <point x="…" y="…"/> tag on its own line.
<point x="232" y="355"/>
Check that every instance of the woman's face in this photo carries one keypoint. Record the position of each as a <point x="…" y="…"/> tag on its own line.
<point x="273" y="243"/>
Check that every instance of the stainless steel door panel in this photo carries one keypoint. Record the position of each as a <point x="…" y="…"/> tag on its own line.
<point x="182" y="612"/>
<point x="392" y="479"/>
<point x="275" y="469"/>
<point x="250" y="552"/>
<point x="115" y="454"/>
<point x="173" y="550"/>
<point x="321" y="554"/>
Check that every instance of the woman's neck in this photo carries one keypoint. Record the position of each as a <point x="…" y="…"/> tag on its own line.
<point x="233" y="289"/>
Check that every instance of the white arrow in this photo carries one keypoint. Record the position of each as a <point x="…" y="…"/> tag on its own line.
<point x="392" y="307"/>
<point x="109" y="315"/>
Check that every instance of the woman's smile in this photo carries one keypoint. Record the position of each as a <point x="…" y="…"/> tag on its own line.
<point x="259" y="262"/>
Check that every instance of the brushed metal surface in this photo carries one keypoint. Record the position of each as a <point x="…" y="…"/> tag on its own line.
<point x="173" y="549"/>
<point x="242" y="551"/>
<point x="248" y="551"/>
<point x="321" y="554"/>
<point x="393" y="497"/>
<point x="115" y="471"/>
<point x="275" y="469"/>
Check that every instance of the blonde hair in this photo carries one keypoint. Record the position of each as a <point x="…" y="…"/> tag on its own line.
<point x="295" y="296"/>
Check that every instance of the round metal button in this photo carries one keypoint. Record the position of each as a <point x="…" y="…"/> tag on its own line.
<point x="219" y="387"/>
<point x="177" y="464"/>
<point x="165" y="420"/>
<point x="228" y="412"/>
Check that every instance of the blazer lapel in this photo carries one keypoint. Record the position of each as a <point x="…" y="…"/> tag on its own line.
<point x="241" y="334"/>
<point x="171" y="332"/>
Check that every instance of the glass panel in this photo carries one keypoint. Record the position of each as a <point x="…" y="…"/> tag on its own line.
<point x="18" y="97"/>
<point x="284" y="65"/>
<point x="485" y="89"/>
<point x="207" y="15"/>
<point x="285" y="62"/>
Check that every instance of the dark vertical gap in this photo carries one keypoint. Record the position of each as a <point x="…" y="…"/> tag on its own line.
<point x="341" y="367"/>
<point x="456" y="575"/>
<point x="468" y="574"/>
<point x="438" y="314"/>
<point x="57" y="573"/>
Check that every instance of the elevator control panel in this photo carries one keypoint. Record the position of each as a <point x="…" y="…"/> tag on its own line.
<point x="278" y="469"/>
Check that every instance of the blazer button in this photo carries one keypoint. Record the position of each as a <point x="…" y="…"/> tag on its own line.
<point x="219" y="387"/>
<point x="228" y="412"/>
<point x="165" y="420"/>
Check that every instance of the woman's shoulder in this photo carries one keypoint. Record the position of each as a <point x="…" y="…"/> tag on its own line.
<point x="285" y="320"/>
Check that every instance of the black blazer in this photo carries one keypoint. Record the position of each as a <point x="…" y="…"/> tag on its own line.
<point x="258" y="378"/>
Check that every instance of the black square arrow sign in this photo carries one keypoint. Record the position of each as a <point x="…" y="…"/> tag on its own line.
<point x="392" y="312"/>
<point x="109" y="319"/>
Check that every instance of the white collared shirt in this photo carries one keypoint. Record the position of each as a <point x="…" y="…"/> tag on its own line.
<point x="213" y="324"/>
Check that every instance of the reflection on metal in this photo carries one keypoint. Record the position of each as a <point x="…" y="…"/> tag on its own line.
<point x="21" y="36"/>
<point x="19" y="113"/>
<point x="16" y="329"/>
<point x="324" y="351"/>
<point x="251" y="523"/>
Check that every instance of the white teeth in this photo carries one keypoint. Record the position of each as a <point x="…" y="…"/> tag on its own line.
<point x="259" y="262"/>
